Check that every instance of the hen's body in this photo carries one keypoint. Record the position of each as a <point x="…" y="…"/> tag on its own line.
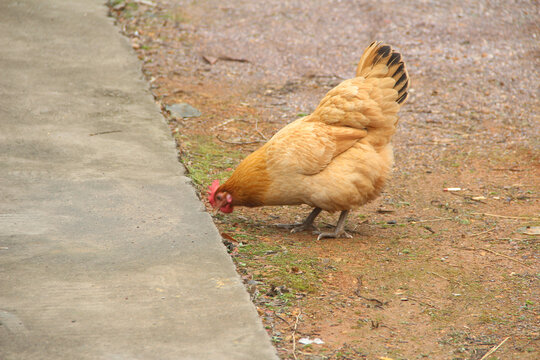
<point x="337" y="158"/>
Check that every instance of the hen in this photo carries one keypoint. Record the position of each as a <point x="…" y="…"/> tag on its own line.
<point x="336" y="159"/>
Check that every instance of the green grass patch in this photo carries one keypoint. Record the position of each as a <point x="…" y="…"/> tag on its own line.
<point x="299" y="273"/>
<point x="206" y="160"/>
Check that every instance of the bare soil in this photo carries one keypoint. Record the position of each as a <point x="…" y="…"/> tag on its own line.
<point x="429" y="273"/>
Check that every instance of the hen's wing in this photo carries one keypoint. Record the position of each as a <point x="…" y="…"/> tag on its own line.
<point x="306" y="148"/>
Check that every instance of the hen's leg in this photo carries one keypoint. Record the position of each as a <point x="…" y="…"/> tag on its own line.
<point x="340" y="228"/>
<point x="307" y="225"/>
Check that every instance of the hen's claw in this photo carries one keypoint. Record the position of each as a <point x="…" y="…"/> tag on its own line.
<point x="298" y="227"/>
<point x="334" y="235"/>
<point x="307" y="225"/>
<point x="304" y="227"/>
<point x="340" y="228"/>
<point x="288" y="226"/>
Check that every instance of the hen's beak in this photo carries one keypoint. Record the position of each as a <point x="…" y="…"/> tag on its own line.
<point x="219" y="205"/>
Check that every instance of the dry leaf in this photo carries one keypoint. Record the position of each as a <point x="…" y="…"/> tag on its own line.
<point x="210" y="59"/>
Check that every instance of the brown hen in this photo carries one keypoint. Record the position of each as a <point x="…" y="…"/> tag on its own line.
<point x="336" y="159"/>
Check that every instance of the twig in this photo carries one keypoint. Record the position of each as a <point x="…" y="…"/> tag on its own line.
<point x="442" y="277"/>
<point x="507" y="169"/>
<point x="422" y="302"/>
<point x="385" y="211"/>
<point x="483" y="232"/>
<point x="225" y="123"/>
<point x="378" y="303"/>
<point x="508" y="217"/>
<point x="473" y="199"/>
<point x="359" y="284"/>
<point x="498" y="254"/>
<point x="468" y="197"/>
<point x="493" y="349"/>
<point x="105" y="132"/>
<point x="294" y="333"/>
<point x="228" y="58"/>
<point x="238" y="142"/>
<point x="257" y="129"/>
<point x="428" y="229"/>
<point x="432" y="220"/>
<point x="282" y="319"/>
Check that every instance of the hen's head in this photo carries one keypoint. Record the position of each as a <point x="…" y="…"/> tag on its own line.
<point x="221" y="200"/>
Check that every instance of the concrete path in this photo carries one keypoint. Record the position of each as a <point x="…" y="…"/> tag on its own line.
<point x="105" y="250"/>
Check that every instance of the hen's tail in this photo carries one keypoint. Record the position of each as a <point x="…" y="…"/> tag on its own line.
<point x="381" y="61"/>
<point x="370" y="101"/>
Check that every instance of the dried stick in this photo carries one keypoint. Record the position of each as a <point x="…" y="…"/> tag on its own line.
<point x="294" y="333"/>
<point x="493" y="349"/>
<point x="442" y="277"/>
<point x="225" y="123"/>
<point x="239" y="142"/>
<point x="507" y="169"/>
<point x="508" y="217"/>
<point x="438" y="275"/>
<point x="428" y="229"/>
<point x="468" y="197"/>
<point x="282" y="319"/>
<point x="483" y="232"/>
<point x="105" y="132"/>
<point x="499" y="254"/>
<point x="422" y="302"/>
<point x="257" y="129"/>
<point x="432" y="220"/>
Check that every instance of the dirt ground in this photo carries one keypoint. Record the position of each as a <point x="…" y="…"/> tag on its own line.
<point x="429" y="273"/>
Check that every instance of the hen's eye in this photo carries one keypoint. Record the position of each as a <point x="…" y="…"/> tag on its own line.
<point x="219" y="197"/>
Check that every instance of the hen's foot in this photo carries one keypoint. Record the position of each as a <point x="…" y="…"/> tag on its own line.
<point x="297" y="227"/>
<point x="288" y="226"/>
<point x="334" y="235"/>
<point x="307" y="225"/>
<point x="340" y="229"/>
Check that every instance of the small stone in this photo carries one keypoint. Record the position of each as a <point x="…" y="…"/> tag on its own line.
<point x="183" y="110"/>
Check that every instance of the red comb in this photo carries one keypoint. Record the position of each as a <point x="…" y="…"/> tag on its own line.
<point x="211" y="191"/>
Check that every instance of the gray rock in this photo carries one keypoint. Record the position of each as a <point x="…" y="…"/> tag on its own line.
<point x="183" y="110"/>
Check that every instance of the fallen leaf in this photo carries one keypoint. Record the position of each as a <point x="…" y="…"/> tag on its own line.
<point x="210" y="59"/>
<point x="296" y="270"/>
<point x="228" y="58"/>
<point x="228" y="237"/>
